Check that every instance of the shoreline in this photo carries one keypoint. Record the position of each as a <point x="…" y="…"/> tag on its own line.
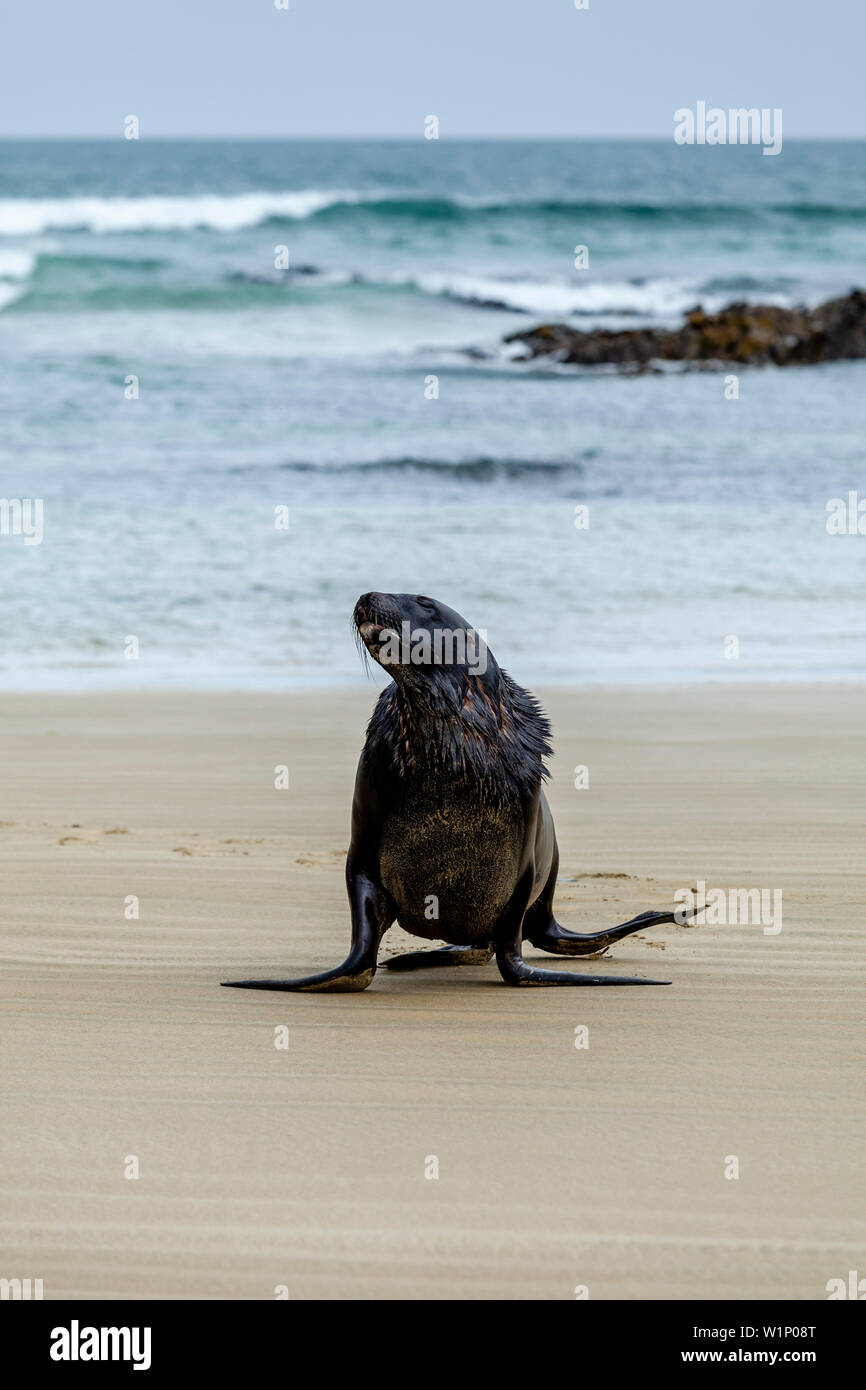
<point x="352" y="686"/>
<point x="305" y="1167"/>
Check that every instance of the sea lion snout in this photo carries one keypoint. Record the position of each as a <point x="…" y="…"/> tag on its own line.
<point x="375" y="616"/>
<point x="392" y="610"/>
<point x="375" y="608"/>
<point x="366" y="604"/>
<point x="416" y="638"/>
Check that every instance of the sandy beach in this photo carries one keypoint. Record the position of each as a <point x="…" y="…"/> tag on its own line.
<point x="263" y="1167"/>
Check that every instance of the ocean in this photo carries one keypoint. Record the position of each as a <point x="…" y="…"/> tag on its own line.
<point x="168" y="388"/>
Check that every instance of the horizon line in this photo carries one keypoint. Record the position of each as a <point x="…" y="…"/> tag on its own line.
<point x="357" y="139"/>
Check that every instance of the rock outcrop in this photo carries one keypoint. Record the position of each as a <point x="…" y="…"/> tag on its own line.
<point x="742" y="335"/>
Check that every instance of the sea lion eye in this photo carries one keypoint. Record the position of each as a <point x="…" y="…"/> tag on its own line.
<point x="425" y="602"/>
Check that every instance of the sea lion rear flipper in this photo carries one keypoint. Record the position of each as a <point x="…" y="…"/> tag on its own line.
<point x="559" y="941"/>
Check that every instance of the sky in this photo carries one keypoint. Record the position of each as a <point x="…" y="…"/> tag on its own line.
<point x="365" y="68"/>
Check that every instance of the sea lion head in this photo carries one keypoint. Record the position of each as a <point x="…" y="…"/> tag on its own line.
<point x="450" y="707"/>
<point x="419" y="640"/>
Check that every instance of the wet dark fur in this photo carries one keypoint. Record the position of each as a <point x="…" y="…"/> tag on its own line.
<point x="457" y="726"/>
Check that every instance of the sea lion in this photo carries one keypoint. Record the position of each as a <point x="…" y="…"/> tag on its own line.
<point x="452" y="835"/>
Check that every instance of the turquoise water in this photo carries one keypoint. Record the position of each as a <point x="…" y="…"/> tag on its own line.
<point x="261" y="387"/>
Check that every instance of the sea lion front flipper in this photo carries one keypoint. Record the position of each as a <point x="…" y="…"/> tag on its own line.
<point x="444" y="955"/>
<point x="515" y="971"/>
<point x="372" y="914"/>
<point x="338" y="981"/>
